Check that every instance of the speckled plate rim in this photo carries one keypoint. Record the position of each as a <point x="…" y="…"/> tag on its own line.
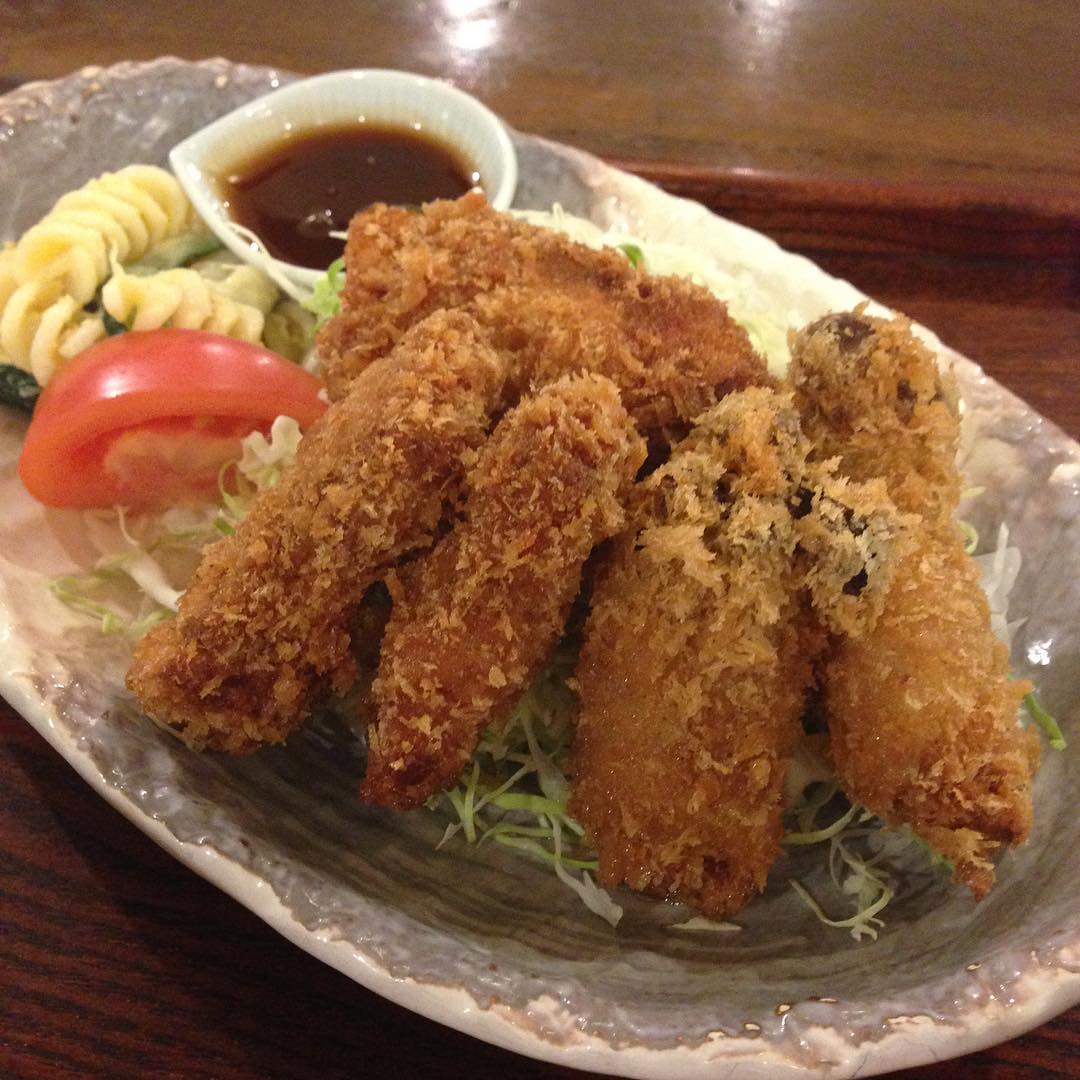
<point x="912" y="1040"/>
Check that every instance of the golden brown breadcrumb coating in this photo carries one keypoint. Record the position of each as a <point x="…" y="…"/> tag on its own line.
<point x="922" y="716"/>
<point x="474" y="620"/>
<point x="921" y="711"/>
<point x="698" y="652"/>
<point x="559" y="307"/>
<point x="263" y="627"/>
<point x="870" y="392"/>
<point x="850" y="538"/>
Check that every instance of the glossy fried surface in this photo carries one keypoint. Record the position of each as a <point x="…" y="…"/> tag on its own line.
<point x="698" y="652"/>
<point x="555" y="306"/>
<point x="921" y="711"/>
<point x="922" y="716"/>
<point x="263" y="627"/>
<point x="474" y="619"/>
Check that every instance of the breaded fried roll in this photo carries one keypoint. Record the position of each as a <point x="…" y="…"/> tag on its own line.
<point x="922" y="716"/>
<point x="475" y="619"/>
<point x="922" y="713"/>
<point x="556" y="306"/>
<point x="263" y="627"/>
<point x="699" y="647"/>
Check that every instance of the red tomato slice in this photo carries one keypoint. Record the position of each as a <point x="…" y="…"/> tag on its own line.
<point x="146" y="419"/>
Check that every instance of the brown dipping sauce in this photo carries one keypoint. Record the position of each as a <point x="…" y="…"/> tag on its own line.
<point x="295" y="193"/>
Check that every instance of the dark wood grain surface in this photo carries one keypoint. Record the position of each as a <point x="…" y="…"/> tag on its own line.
<point x="926" y="152"/>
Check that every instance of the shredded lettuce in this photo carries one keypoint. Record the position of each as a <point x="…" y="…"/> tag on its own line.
<point x="515" y="792"/>
<point x="325" y="298"/>
<point x="814" y="835"/>
<point x="263" y="460"/>
<point x="998" y="571"/>
<point x="870" y="890"/>
<point x="96" y="594"/>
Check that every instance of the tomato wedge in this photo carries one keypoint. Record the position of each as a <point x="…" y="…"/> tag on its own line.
<point x="146" y="419"/>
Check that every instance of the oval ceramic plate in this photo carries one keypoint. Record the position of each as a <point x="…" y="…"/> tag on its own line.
<point x="477" y="938"/>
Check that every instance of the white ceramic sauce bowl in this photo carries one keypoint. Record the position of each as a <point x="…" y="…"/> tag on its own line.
<point x="379" y="97"/>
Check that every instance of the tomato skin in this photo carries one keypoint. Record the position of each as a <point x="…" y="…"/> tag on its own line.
<point x="183" y="384"/>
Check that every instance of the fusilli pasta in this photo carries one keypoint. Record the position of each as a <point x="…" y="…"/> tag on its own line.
<point x="181" y="297"/>
<point x="119" y="215"/>
<point x="239" y="282"/>
<point x="41" y="327"/>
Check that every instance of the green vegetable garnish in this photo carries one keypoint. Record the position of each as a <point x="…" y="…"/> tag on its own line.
<point x="515" y="792"/>
<point x="325" y="298"/>
<point x="114" y="326"/>
<point x="860" y="852"/>
<point x="872" y="894"/>
<point x="93" y="593"/>
<point x="827" y="832"/>
<point x="971" y="536"/>
<point x="1049" y="725"/>
<point x="177" y="251"/>
<point x="633" y="253"/>
<point x="18" y="388"/>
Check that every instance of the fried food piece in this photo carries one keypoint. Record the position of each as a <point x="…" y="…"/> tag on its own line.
<point x="850" y="540"/>
<point x="559" y="307"/>
<point x="474" y="620"/>
<point x="263" y="628"/>
<point x="698" y="652"/>
<point x="921" y="712"/>
<point x="669" y="345"/>
<point x="870" y="393"/>
<point x="922" y="716"/>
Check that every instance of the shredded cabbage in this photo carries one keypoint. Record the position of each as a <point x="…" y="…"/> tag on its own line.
<point x="998" y="571"/>
<point x="857" y="850"/>
<point x="710" y="925"/>
<point x="1045" y="721"/>
<point x="515" y="792"/>
<point x="971" y="537"/>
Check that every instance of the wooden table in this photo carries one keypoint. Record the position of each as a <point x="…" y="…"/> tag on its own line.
<point x="927" y="152"/>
